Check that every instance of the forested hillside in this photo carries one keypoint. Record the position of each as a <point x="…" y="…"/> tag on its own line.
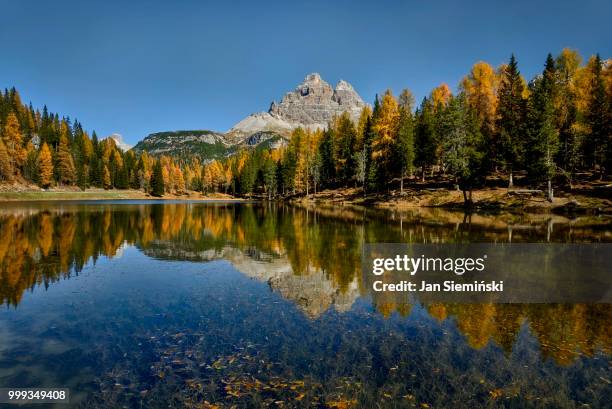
<point x="549" y="129"/>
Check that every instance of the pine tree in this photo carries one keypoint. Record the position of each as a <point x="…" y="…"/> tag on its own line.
<point x="462" y="146"/>
<point x="542" y="136"/>
<point x="598" y="120"/>
<point x="326" y="153"/>
<point x="425" y="137"/>
<point x="345" y="138"/>
<point x="45" y="166"/>
<point x="157" y="180"/>
<point x="511" y="118"/>
<point x="405" y="152"/>
<point x="269" y="176"/>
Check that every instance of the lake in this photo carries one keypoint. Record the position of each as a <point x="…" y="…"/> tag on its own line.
<point x="221" y="305"/>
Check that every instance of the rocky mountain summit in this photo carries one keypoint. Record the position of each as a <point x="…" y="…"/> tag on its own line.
<point x="311" y="105"/>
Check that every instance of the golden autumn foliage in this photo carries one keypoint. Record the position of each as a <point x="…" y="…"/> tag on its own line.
<point x="106" y="178"/>
<point x="64" y="164"/>
<point x="440" y="96"/>
<point x="13" y="141"/>
<point x="385" y="127"/>
<point x="44" y="164"/>
<point x="480" y="88"/>
<point x="6" y="169"/>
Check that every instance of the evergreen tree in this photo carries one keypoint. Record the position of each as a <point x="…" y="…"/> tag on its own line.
<point x="462" y="146"/>
<point x="269" y="176"/>
<point x="346" y="137"/>
<point x="511" y="118"/>
<point x="45" y="166"/>
<point x="157" y="180"/>
<point x="599" y="120"/>
<point x="542" y="136"/>
<point x="405" y="153"/>
<point x="326" y="153"/>
<point x="425" y="137"/>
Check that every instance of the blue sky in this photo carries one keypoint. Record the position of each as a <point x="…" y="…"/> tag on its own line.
<point x="138" y="67"/>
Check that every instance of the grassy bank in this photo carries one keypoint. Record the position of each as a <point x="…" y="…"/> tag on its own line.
<point x="27" y="193"/>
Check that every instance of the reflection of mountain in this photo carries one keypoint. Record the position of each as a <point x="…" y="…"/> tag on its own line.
<point x="312" y="291"/>
<point x="311" y="258"/>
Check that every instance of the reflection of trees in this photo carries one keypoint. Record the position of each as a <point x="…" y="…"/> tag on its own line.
<point x="40" y="247"/>
<point x="564" y="331"/>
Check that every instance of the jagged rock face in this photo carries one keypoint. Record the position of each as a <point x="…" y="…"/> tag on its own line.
<point x="314" y="103"/>
<point x="311" y="105"/>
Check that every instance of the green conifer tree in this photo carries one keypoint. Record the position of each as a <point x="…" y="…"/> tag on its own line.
<point x="157" y="180"/>
<point x="511" y="118"/>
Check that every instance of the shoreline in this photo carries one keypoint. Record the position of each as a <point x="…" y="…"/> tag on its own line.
<point x="14" y="194"/>
<point x="485" y="200"/>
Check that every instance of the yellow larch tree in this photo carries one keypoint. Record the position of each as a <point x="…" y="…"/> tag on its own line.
<point x="6" y="168"/>
<point x="440" y="96"/>
<point x="386" y="127"/>
<point x="480" y="88"/>
<point x="13" y="140"/>
<point x="179" y="181"/>
<point x="44" y="164"/>
<point x="106" y="177"/>
<point x="64" y="162"/>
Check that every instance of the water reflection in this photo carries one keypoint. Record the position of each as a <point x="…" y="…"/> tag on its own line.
<point x="311" y="257"/>
<point x="181" y="338"/>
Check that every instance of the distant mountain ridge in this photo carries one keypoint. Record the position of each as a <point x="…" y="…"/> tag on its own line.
<point x="311" y="105"/>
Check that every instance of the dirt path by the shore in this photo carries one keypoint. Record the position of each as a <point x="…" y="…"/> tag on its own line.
<point x="491" y="199"/>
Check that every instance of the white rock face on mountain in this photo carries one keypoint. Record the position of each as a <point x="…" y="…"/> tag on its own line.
<point x="119" y="142"/>
<point x="311" y="105"/>
<point x="259" y="122"/>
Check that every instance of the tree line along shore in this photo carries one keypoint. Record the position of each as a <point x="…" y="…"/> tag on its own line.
<point x="546" y="136"/>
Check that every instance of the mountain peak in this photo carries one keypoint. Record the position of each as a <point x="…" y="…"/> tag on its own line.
<point x="118" y="139"/>
<point x="312" y="77"/>
<point x="312" y="104"/>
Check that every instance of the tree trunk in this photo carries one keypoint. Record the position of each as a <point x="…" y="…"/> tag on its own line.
<point x="467" y="199"/>
<point x="550" y="191"/>
<point x="402" y="184"/>
<point x="510" y="181"/>
<point x="423" y="173"/>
